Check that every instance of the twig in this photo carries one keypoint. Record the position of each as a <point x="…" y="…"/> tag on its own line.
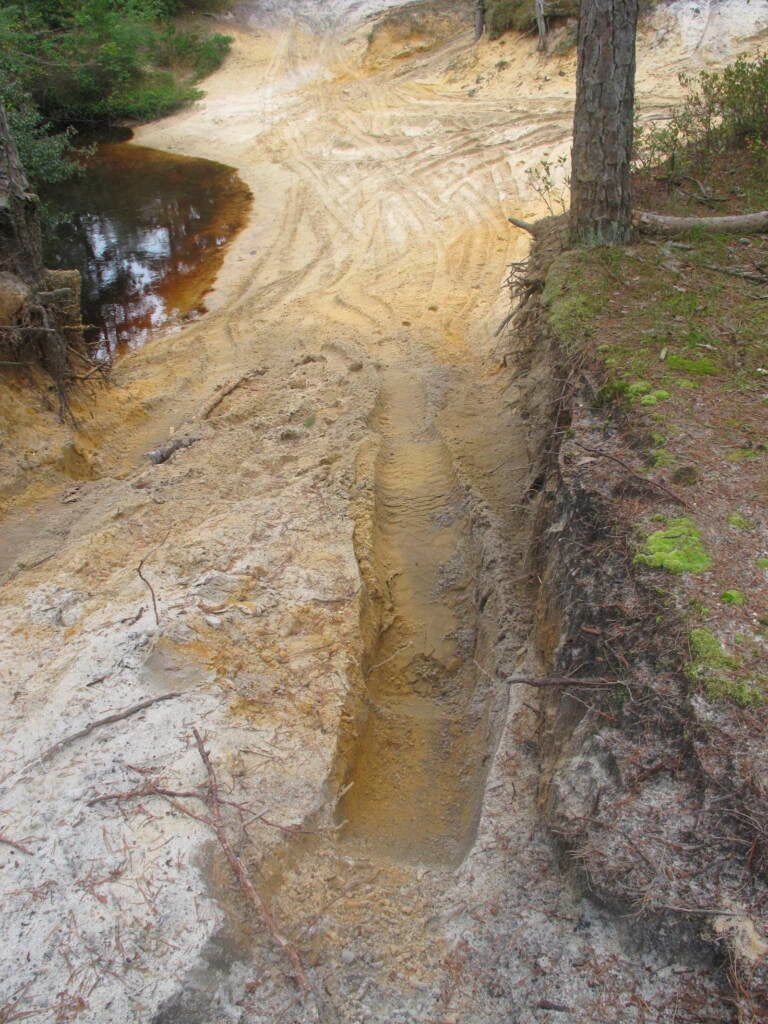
<point x="15" y="845"/>
<point x="144" y="579"/>
<point x="227" y="390"/>
<point x="542" y="682"/>
<point x="117" y="716"/>
<point x="214" y="820"/>
<point x="638" y="476"/>
<point x="732" y="272"/>
<point x="504" y="323"/>
<point x="240" y="870"/>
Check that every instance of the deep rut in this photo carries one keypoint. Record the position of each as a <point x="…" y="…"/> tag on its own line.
<point x="416" y="770"/>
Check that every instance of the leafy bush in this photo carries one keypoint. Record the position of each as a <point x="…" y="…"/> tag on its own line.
<point x="97" y="61"/>
<point x="551" y="182"/>
<point x="723" y="109"/>
<point x="47" y="156"/>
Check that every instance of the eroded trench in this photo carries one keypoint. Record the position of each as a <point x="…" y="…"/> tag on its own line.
<point x="415" y="767"/>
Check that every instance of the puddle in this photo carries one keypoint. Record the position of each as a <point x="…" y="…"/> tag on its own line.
<point x="147" y="230"/>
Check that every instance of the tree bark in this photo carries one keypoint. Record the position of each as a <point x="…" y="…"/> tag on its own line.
<point x="21" y="250"/>
<point x="479" y="18"/>
<point x="602" y="126"/>
<point x="541" y="23"/>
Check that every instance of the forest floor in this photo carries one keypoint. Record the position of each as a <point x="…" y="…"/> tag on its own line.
<point x="325" y="582"/>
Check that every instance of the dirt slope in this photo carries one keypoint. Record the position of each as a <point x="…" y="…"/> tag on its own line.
<point x="346" y="514"/>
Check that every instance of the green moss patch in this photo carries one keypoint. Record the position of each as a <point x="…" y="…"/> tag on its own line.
<point x="717" y="671"/>
<point x="739" y="521"/>
<point x="733" y="597"/>
<point x="678" y="548"/>
<point x="700" y="367"/>
<point x="708" y="652"/>
<point x="575" y="294"/>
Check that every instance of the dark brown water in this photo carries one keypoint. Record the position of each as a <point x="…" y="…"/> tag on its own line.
<point x="147" y="230"/>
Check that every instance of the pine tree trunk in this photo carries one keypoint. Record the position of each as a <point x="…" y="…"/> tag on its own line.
<point x="479" y="18"/>
<point x="603" y="120"/>
<point x="20" y="236"/>
<point x="541" y="23"/>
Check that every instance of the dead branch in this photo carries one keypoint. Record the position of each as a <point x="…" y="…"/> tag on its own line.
<point x="163" y="452"/>
<point x="638" y="476"/>
<point x="15" y="845"/>
<point x="543" y="682"/>
<point x="241" y="872"/>
<point x="504" y="323"/>
<point x="660" y="224"/>
<point x="227" y="390"/>
<point x="144" y="579"/>
<point x="214" y="820"/>
<point x="733" y="272"/>
<point x="116" y="716"/>
<point x="524" y="225"/>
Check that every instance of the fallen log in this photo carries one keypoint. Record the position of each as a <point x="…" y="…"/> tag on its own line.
<point x="738" y="224"/>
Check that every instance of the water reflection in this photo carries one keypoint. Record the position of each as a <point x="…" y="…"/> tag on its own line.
<point x="146" y="230"/>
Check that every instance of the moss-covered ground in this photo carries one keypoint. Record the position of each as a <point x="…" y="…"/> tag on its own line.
<point x="677" y="333"/>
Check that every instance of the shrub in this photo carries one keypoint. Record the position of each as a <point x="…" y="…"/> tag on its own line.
<point x="723" y="109"/>
<point x="97" y="61"/>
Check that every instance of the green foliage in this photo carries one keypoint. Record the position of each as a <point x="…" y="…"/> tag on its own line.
<point x="717" y="671"/>
<point x="502" y="15"/>
<point x="678" y="548"/>
<point x="701" y="367"/>
<point x="574" y="298"/>
<point x="739" y="521"/>
<point x="520" y="15"/>
<point x="655" y="397"/>
<point x="707" y="650"/>
<point x="737" y="597"/>
<point x="740" y="691"/>
<point x="47" y="156"/>
<point x="722" y="109"/>
<point x="550" y="180"/>
<point x="93" y="62"/>
<point x="762" y="563"/>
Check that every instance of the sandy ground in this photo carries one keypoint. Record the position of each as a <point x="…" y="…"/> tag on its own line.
<point x="328" y="567"/>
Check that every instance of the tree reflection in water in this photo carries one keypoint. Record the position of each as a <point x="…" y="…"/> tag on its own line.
<point x="147" y="231"/>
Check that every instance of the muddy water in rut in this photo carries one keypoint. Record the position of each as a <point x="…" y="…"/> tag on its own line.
<point x="416" y="771"/>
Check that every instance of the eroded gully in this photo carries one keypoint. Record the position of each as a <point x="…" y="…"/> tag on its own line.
<point x="339" y="560"/>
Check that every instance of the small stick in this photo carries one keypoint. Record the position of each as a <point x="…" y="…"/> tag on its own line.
<point x="117" y="716"/>
<point x="638" y="476"/>
<point x="543" y="682"/>
<point x="15" y="845"/>
<point x="144" y="579"/>
<point x="241" y="872"/>
<point x="744" y="274"/>
<point x="504" y="323"/>
<point x="227" y="390"/>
